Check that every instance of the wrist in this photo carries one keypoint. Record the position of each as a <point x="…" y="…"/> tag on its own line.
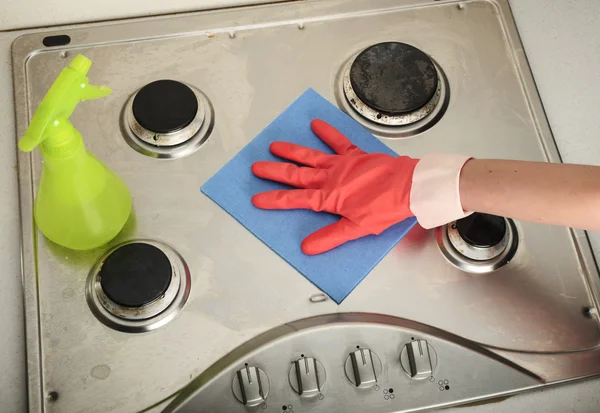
<point x="435" y="191"/>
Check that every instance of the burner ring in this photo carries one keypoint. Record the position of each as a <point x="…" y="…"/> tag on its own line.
<point x="384" y="126"/>
<point x="472" y="251"/>
<point x="176" y="144"/>
<point x="129" y="312"/>
<point x="146" y="317"/>
<point x="170" y="138"/>
<point x="385" y="119"/>
<point x="165" y="106"/>
<point x="393" y="77"/>
<point x="477" y="260"/>
<point x="135" y="275"/>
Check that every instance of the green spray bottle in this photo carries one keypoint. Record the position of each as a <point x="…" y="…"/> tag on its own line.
<point x="80" y="203"/>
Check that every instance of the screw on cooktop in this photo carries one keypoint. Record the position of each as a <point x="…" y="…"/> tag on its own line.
<point x="588" y="312"/>
<point x="52" y="396"/>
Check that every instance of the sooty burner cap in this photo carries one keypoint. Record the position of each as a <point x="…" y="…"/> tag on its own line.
<point x="394" y="78"/>
<point x="135" y="274"/>
<point x="165" y="106"/>
<point x="482" y="230"/>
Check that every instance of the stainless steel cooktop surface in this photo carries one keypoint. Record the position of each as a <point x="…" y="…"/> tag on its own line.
<point x="222" y="324"/>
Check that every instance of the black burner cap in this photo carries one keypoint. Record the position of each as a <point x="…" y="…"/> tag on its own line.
<point x="482" y="230"/>
<point x="393" y="78"/>
<point x="165" y="106"/>
<point x="135" y="274"/>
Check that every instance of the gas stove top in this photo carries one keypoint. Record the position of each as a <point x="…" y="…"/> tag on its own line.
<point x="187" y="311"/>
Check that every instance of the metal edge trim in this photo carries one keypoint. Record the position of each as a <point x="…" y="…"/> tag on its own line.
<point x="589" y="266"/>
<point x="29" y="273"/>
<point x="236" y="19"/>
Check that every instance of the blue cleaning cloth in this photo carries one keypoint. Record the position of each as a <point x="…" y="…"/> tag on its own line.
<point x="338" y="271"/>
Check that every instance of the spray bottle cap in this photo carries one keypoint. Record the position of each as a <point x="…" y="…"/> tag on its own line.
<point x="50" y="122"/>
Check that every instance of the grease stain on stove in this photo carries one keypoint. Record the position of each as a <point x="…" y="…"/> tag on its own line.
<point x="68" y="293"/>
<point x="100" y="372"/>
<point x="47" y="318"/>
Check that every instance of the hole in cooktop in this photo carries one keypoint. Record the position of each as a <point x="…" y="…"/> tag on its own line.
<point x="58" y="40"/>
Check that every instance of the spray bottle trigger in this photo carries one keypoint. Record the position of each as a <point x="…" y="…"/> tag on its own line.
<point x="91" y="92"/>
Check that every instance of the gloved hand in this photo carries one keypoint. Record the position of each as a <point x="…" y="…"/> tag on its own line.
<point x="371" y="192"/>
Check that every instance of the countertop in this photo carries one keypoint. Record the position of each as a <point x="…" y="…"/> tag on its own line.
<point x="562" y="42"/>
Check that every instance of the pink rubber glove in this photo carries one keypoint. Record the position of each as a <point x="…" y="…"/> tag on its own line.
<point x="371" y="192"/>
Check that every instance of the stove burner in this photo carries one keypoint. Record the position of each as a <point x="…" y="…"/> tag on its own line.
<point x="395" y="89"/>
<point x="165" y="106"/>
<point x="167" y="119"/>
<point x="135" y="275"/>
<point x="482" y="230"/>
<point x="479" y="243"/>
<point x="394" y="78"/>
<point x="138" y="286"/>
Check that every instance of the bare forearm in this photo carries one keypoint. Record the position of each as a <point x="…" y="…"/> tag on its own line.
<point x="557" y="194"/>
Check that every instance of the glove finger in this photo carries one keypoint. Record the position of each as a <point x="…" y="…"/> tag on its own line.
<point x="290" y="199"/>
<point x="334" y="138"/>
<point x="300" y="154"/>
<point x="290" y="174"/>
<point x="332" y="236"/>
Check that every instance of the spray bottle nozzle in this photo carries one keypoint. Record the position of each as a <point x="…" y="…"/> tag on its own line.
<point x="51" y="117"/>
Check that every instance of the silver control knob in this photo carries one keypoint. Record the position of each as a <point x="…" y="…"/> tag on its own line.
<point x="307" y="376"/>
<point x="418" y="359"/>
<point x="250" y="386"/>
<point x="363" y="367"/>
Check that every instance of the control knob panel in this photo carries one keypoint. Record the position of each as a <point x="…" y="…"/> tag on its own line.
<point x="250" y="386"/>
<point x="404" y="373"/>
<point x="363" y="367"/>
<point x="307" y="376"/>
<point x="418" y="359"/>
